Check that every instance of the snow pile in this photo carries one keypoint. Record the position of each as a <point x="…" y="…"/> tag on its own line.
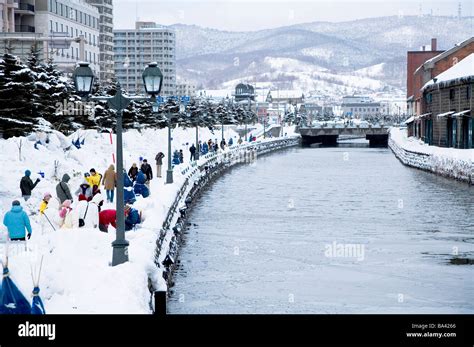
<point x="464" y="68"/>
<point x="77" y="276"/>
<point x="448" y="162"/>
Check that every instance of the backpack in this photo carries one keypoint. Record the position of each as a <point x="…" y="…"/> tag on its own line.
<point x="82" y="221"/>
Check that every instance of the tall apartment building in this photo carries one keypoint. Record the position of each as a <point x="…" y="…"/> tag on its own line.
<point x="7" y="15"/>
<point x="135" y="48"/>
<point x="106" y="38"/>
<point x="65" y="30"/>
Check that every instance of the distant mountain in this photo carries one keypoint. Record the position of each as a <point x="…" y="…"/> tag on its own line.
<point x="365" y="55"/>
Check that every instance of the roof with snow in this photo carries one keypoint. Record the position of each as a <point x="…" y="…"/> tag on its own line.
<point x="429" y="64"/>
<point x="286" y="94"/>
<point x="465" y="68"/>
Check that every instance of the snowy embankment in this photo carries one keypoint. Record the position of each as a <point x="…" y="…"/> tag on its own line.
<point x="76" y="274"/>
<point x="448" y="162"/>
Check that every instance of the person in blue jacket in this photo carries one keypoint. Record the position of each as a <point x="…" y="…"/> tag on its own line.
<point x="132" y="217"/>
<point x="140" y="185"/>
<point x="17" y="222"/>
<point x="205" y="148"/>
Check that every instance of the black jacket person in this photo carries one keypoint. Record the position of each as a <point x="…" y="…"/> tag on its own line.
<point x="27" y="185"/>
<point x="146" y="168"/>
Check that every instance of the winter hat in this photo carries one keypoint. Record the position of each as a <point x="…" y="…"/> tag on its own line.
<point x="28" y="173"/>
<point x="92" y="170"/>
<point x="82" y="197"/>
<point x="47" y="195"/>
<point x="67" y="203"/>
<point x="15" y="203"/>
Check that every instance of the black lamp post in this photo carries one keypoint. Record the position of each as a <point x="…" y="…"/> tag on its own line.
<point x="152" y="80"/>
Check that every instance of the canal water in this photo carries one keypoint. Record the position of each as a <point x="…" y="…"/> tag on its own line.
<point x="346" y="229"/>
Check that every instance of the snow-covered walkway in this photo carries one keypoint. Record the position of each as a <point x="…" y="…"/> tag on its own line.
<point x="77" y="276"/>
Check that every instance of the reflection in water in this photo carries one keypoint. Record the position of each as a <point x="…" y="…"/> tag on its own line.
<point x="346" y="229"/>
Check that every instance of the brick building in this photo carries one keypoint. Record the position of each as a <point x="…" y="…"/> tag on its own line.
<point x="447" y="104"/>
<point x="414" y="60"/>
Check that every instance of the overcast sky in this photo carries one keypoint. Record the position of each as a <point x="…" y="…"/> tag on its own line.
<point x="248" y="15"/>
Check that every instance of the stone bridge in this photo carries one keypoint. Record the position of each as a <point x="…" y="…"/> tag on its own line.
<point x="327" y="135"/>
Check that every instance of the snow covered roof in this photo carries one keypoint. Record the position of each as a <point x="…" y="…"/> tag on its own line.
<point x="409" y="120"/>
<point x="456" y="47"/>
<point x="461" y="113"/>
<point x="464" y="68"/>
<point x="445" y="114"/>
<point x="286" y="94"/>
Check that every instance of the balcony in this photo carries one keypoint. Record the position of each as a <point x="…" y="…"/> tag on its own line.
<point x="25" y="8"/>
<point x="24" y="29"/>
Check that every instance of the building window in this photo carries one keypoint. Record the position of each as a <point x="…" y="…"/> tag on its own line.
<point x="57" y="27"/>
<point x="452" y="94"/>
<point x="50" y="5"/>
<point x="61" y="9"/>
<point x="62" y="28"/>
<point x="55" y="7"/>
<point x="51" y="25"/>
<point x="468" y="92"/>
<point x="429" y="98"/>
<point x="72" y="52"/>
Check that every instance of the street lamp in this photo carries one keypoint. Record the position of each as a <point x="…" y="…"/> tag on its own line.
<point x="169" y="172"/>
<point x="83" y="80"/>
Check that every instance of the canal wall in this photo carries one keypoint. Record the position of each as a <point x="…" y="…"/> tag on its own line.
<point x="448" y="162"/>
<point x="197" y="175"/>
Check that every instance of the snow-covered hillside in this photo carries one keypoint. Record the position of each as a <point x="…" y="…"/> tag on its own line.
<point x="373" y="47"/>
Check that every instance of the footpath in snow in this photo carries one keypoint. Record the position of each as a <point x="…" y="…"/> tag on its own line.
<point x="76" y="274"/>
<point x="449" y="162"/>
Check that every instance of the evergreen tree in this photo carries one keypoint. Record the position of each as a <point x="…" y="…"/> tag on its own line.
<point x="17" y="117"/>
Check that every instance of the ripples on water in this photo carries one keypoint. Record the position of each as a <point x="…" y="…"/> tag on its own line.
<point x="261" y="231"/>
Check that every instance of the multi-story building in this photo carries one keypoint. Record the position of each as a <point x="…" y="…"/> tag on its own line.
<point x="7" y="15"/>
<point x="65" y="30"/>
<point x="414" y="60"/>
<point x="185" y="88"/>
<point x="360" y="107"/>
<point x="135" y="48"/>
<point x="106" y="38"/>
<point x="426" y="124"/>
<point x="447" y="107"/>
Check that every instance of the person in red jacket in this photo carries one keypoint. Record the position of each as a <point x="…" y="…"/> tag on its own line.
<point x="107" y="217"/>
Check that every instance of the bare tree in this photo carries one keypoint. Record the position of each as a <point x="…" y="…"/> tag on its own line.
<point x="19" y="145"/>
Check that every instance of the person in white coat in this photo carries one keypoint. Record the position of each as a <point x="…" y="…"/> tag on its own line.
<point x="88" y="212"/>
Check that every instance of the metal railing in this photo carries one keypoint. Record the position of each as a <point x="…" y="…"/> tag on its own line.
<point x="26" y="7"/>
<point x="25" y="28"/>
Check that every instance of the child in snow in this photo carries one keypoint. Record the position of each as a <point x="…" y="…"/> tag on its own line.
<point x="44" y="202"/>
<point x="17" y="222"/>
<point x="65" y="214"/>
<point x="132" y="217"/>
<point x="48" y="218"/>
<point x="85" y="189"/>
